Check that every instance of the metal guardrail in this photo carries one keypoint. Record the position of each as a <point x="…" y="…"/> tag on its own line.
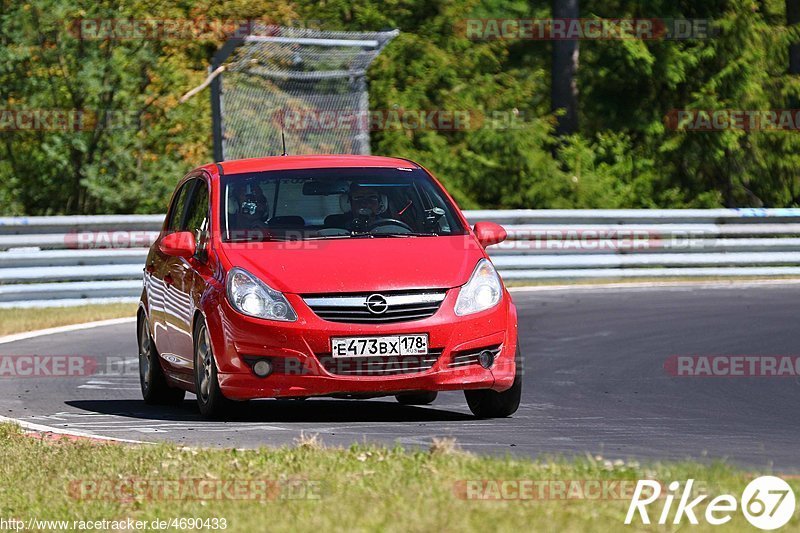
<point x="65" y="260"/>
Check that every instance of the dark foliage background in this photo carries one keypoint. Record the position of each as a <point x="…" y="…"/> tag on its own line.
<point x="622" y="154"/>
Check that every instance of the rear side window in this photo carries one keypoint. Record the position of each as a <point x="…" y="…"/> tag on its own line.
<point x="178" y="207"/>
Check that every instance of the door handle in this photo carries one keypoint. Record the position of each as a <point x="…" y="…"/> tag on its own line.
<point x="168" y="279"/>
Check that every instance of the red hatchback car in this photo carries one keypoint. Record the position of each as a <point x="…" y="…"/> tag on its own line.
<point x="344" y="276"/>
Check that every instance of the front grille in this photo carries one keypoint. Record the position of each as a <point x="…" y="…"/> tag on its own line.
<point x="353" y="309"/>
<point x="470" y="357"/>
<point x="379" y="366"/>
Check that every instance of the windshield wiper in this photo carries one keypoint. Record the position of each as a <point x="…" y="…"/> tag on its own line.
<point x="261" y="239"/>
<point x="410" y="234"/>
<point x="348" y="236"/>
<point x="367" y="235"/>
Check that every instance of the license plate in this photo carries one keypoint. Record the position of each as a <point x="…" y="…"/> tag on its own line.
<point x="380" y="346"/>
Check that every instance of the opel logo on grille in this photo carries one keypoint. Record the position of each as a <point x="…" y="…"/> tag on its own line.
<point x="377" y="304"/>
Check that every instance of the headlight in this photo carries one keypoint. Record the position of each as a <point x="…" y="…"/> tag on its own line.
<point x="251" y="296"/>
<point x="483" y="290"/>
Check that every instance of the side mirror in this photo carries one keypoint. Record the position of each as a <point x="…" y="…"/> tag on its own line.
<point x="178" y="244"/>
<point x="489" y="233"/>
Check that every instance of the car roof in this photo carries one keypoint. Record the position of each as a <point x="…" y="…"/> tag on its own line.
<point x="299" y="162"/>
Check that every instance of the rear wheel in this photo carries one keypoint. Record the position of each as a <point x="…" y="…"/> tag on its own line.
<point x="417" y="398"/>
<point x="155" y="389"/>
<point x="492" y="404"/>
<point x="210" y="400"/>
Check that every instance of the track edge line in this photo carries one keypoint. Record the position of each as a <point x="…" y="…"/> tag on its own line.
<point x="40" y="428"/>
<point x="64" y="329"/>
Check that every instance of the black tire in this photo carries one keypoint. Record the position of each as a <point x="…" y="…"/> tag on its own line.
<point x="417" y="398"/>
<point x="155" y="388"/>
<point x="212" y="403"/>
<point x="486" y="403"/>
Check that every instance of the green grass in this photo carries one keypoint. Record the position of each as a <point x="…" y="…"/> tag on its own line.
<point x="23" y="320"/>
<point x="362" y="488"/>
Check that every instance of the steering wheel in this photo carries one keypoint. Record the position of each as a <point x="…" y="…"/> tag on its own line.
<point x="258" y="225"/>
<point x="389" y="222"/>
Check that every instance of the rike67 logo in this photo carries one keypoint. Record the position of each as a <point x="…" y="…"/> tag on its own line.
<point x="767" y="502"/>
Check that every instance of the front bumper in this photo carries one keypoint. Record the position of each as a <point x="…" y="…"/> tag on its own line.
<point x="238" y="339"/>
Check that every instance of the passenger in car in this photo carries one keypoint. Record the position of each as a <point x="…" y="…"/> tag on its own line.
<point x="252" y="207"/>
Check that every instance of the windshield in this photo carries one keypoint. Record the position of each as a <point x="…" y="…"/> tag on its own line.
<point x="335" y="204"/>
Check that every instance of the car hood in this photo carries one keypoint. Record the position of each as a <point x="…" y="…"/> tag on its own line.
<point x="359" y="264"/>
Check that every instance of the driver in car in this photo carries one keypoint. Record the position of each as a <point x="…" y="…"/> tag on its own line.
<point x="366" y="207"/>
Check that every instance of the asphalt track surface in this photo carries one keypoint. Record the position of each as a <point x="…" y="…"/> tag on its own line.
<point x="594" y="383"/>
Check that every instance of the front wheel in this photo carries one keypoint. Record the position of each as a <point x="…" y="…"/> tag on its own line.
<point x="155" y="389"/>
<point x="487" y="403"/>
<point x="210" y="400"/>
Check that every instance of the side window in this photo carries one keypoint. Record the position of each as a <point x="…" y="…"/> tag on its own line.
<point x="197" y="215"/>
<point x="178" y="207"/>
